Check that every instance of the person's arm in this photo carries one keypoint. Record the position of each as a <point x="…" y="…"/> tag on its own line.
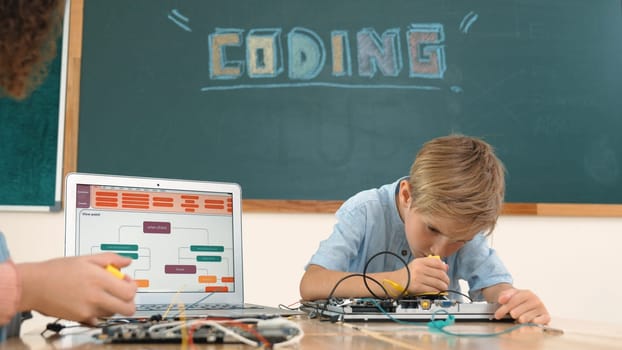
<point x="317" y="283"/>
<point x="491" y="294"/>
<point x="523" y="305"/>
<point x="9" y="291"/>
<point x="77" y="288"/>
<point x="427" y="275"/>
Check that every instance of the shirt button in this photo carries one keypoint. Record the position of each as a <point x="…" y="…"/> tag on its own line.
<point x="404" y="252"/>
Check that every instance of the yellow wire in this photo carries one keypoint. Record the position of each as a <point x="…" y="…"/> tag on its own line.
<point x="184" y="328"/>
<point x="174" y="299"/>
<point x="398" y="288"/>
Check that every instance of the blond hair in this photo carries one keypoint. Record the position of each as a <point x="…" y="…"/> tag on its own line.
<point x="459" y="178"/>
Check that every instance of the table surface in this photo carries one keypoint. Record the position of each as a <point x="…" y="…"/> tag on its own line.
<point x="374" y="335"/>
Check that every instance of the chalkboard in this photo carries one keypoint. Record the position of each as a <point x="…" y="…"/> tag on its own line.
<point x="320" y="99"/>
<point x="30" y="160"/>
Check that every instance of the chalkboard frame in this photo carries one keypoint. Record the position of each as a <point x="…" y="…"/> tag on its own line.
<point x="59" y="150"/>
<point x="271" y="205"/>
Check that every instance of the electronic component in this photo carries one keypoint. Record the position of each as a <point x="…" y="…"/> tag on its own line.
<point x="249" y="331"/>
<point x="416" y="308"/>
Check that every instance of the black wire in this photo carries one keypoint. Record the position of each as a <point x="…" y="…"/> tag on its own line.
<point x="55" y="327"/>
<point x="459" y="293"/>
<point x="330" y="295"/>
<point x="365" y="277"/>
<point x="404" y="292"/>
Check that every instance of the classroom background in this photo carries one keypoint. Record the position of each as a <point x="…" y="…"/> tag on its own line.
<point x="495" y="54"/>
<point x="572" y="263"/>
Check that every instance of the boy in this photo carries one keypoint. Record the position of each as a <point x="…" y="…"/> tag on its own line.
<point x="445" y="208"/>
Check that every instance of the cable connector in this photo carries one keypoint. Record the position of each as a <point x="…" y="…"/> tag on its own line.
<point x="438" y="325"/>
<point x="54" y="327"/>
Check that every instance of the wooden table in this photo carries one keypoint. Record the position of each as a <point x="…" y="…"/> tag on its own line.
<point x="383" y="335"/>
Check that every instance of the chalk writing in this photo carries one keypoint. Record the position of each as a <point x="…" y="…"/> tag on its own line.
<point x="377" y="56"/>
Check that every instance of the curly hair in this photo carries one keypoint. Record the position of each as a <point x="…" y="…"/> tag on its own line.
<point x="28" y="29"/>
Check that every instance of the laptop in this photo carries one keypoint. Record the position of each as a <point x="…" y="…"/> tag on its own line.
<point x="416" y="309"/>
<point x="184" y="238"/>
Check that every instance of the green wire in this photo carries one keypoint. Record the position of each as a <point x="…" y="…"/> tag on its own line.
<point x="439" y="325"/>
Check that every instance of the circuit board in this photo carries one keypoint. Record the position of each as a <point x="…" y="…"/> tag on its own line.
<point x="419" y="308"/>
<point x="253" y="332"/>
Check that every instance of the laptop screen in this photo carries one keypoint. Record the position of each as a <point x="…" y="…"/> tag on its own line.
<point x="184" y="237"/>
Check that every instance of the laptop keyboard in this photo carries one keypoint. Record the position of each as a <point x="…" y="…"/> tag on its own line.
<point x="196" y="306"/>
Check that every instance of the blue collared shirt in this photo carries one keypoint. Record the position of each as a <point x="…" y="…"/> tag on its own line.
<point x="369" y="223"/>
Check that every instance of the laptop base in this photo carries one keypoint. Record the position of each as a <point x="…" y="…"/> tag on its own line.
<point x="208" y="310"/>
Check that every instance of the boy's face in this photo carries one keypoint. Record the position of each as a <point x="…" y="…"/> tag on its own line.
<point x="427" y="235"/>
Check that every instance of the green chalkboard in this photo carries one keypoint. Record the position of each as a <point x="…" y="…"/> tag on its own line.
<point x="29" y="153"/>
<point x="320" y="99"/>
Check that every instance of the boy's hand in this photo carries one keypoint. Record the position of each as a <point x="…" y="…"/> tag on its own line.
<point x="428" y="275"/>
<point x="523" y="305"/>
